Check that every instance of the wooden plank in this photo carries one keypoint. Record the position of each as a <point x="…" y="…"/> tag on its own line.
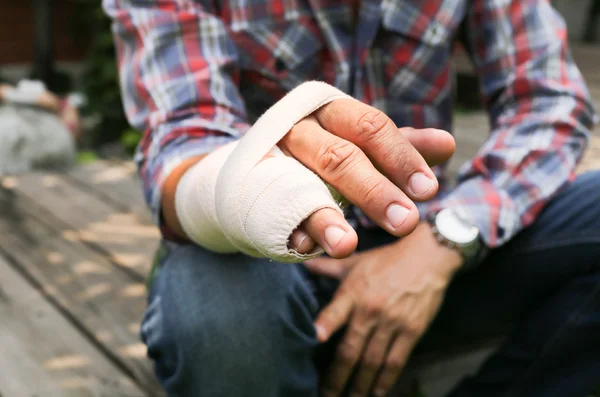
<point x="42" y="354"/>
<point x="118" y="233"/>
<point x="114" y="182"/>
<point x="100" y="297"/>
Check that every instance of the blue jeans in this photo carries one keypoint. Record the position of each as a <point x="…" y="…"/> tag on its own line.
<point x="230" y="325"/>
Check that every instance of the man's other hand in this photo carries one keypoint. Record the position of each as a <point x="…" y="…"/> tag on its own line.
<point x="387" y="298"/>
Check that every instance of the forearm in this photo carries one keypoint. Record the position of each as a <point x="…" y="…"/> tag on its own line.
<point x="440" y="256"/>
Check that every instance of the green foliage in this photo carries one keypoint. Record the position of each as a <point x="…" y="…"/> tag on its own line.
<point x="130" y="139"/>
<point x="101" y="79"/>
<point x="86" y="157"/>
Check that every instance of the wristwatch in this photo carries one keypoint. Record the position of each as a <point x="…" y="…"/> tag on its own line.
<point x="454" y="231"/>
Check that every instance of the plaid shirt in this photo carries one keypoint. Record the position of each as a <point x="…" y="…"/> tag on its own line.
<point x="196" y="74"/>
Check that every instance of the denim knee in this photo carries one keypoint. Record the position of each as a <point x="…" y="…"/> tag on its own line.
<point x="230" y="325"/>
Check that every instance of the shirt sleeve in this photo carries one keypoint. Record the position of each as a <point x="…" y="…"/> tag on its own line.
<point x="540" y="114"/>
<point x="179" y="83"/>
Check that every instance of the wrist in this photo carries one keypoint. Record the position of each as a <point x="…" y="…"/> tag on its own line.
<point x="453" y="229"/>
<point x="442" y="258"/>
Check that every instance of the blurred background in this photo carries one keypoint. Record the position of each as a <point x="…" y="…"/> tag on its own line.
<point x="76" y="246"/>
<point x="68" y="45"/>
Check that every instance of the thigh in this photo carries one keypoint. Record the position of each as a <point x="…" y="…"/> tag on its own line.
<point x="230" y="325"/>
<point x="562" y="244"/>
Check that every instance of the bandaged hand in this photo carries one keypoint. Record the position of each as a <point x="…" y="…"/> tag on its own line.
<point x="286" y="205"/>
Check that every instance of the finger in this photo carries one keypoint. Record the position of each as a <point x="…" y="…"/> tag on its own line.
<point x="333" y="316"/>
<point x="330" y="230"/>
<point x="394" y="364"/>
<point x="347" y="355"/>
<point x="345" y="167"/>
<point x="301" y="242"/>
<point x="436" y="146"/>
<point x="377" y="135"/>
<point x="327" y="228"/>
<point x="334" y="268"/>
<point x="372" y="361"/>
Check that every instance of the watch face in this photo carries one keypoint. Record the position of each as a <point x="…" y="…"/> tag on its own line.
<point x="454" y="228"/>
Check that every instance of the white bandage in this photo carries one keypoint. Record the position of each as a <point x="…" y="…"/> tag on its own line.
<point x="231" y="201"/>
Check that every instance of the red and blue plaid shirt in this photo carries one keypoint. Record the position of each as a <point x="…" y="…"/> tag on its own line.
<point x="196" y="74"/>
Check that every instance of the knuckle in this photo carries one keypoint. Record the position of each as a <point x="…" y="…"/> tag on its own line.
<point x="371" y="124"/>
<point x="338" y="158"/>
<point x="398" y="154"/>
<point x="392" y="321"/>
<point x="373" y="190"/>
<point x="372" y="308"/>
<point x="348" y="352"/>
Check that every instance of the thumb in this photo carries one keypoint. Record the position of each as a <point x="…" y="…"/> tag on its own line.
<point x="334" y="268"/>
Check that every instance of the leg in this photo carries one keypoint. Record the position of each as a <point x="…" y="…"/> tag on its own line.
<point x="546" y="283"/>
<point x="230" y="325"/>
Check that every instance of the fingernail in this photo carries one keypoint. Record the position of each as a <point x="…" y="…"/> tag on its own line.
<point x="302" y="240"/>
<point x="299" y="237"/>
<point x="333" y="235"/>
<point x="397" y="214"/>
<point x="321" y="332"/>
<point x="420" y="183"/>
<point x="305" y="243"/>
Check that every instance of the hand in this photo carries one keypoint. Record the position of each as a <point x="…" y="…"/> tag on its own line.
<point x="361" y="153"/>
<point x="388" y="298"/>
<point x="379" y="168"/>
